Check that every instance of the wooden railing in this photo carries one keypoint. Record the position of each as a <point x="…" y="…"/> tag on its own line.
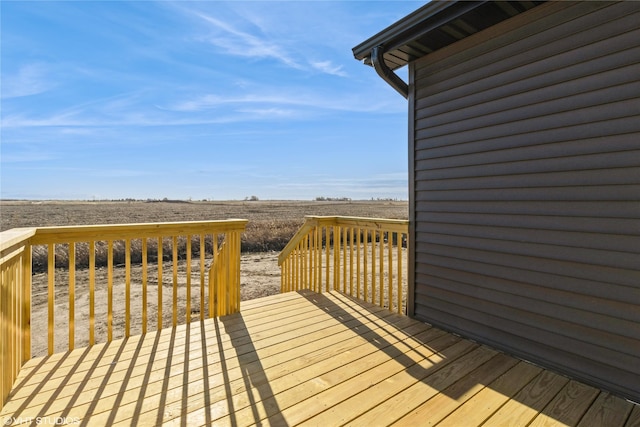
<point x="15" y="306"/>
<point x="203" y="255"/>
<point x="361" y="257"/>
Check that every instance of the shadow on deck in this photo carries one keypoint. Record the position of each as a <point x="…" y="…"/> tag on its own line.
<point x="303" y="358"/>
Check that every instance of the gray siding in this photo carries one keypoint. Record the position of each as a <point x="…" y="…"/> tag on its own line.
<point x="526" y="189"/>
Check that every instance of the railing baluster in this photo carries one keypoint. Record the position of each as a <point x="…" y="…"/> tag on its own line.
<point x="373" y="265"/>
<point x="381" y="266"/>
<point x="160" y="279"/>
<point x="212" y="293"/>
<point x="305" y="267"/>
<point x="290" y="278"/>
<point x="110" y="290"/>
<point x="5" y="326"/>
<point x="202" y="261"/>
<point x="223" y="277"/>
<point x="5" y="378"/>
<point x="327" y="258"/>
<point x="145" y="280"/>
<point x="301" y="270"/>
<point x="337" y="239"/>
<point x="310" y="261"/>
<point x="344" y="258"/>
<point x="127" y="288"/>
<point x="26" y="305"/>
<point x="51" y="265"/>
<point x="13" y="298"/>
<point x="292" y="273"/>
<point x="294" y="268"/>
<point x="358" y="278"/>
<point x="188" y="302"/>
<point x="399" y="269"/>
<point x="317" y="254"/>
<point x="301" y="266"/>
<point x="300" y="281"/>
<point x="390" y="267"/>
<point x="235" y="257"/>
<point x="284" y="275"/>
<point x="365" y="286"/>
<point x="225" y="296"/>
<point x="72" y="294"/>
<point x="8" y="309"/>
<point x="174" y="257"/>
<point x="286" y="285"/>
<point x="92" y="292"/>
<point x="350" y="261"/>
<point x="309" y="257"/>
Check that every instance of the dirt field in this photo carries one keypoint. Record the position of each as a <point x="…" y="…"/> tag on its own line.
<point x="271" y="225"/>
<point x="47" y="213"/>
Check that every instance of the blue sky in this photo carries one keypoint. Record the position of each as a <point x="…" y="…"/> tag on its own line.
<point x="202" y="100"/>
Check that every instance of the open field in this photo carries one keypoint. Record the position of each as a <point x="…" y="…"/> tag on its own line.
<point x="47" y="213"/>
<point x="271" y="225"/>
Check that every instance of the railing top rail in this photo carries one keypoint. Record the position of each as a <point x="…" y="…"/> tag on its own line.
<point x="386" y="224"/>
<point x="306" y="227"/>
<point x="350" y="219"/>
<point x="44" y="235"/>
<point x="10" y="238"/>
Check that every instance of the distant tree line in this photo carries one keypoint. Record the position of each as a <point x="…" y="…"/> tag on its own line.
<point x="332" y="199"/>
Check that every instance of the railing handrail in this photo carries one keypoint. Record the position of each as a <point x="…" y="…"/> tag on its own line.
<point x="9" y="239"/>
<point x="393" y="225"/>
<point x="67" y="234"/>
<point x="310" y="222"/>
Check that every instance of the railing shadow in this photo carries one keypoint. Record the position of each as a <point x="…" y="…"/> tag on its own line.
<point x="446" y="351"/>
<point x="253" y="375"/>
<point x="17" y="390"/>
<point x="526" y="389"/>
<point x="235" y="388"/>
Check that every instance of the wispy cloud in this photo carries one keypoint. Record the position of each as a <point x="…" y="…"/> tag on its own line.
<point x="210" y="101"/>
<point x="256" y="33"/>
<point x="383" y="185"/>
<point x="269" y="112"/>
<point x="329" y="68"/>
<point x="70" y="122"/>
<point x="30" y="79"/>
<point x="233" y="41"/>
<point x="288" y="96"/>
<point x="27" y="156"/>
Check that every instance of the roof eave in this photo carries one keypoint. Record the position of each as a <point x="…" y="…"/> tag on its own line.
<point x="423" y="20"/>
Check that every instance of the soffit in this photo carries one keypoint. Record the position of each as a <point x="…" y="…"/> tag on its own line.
<point x="437" y="25"/>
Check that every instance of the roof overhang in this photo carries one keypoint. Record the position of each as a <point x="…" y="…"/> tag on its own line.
<point x="432" y="27"/>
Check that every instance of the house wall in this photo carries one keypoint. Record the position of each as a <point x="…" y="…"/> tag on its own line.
<point x="525" y="142"/>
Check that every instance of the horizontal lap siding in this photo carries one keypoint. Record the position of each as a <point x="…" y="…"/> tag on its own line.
<point x="527" y="189"/>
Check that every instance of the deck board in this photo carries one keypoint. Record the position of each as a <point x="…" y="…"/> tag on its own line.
<point x="305" y="359"/>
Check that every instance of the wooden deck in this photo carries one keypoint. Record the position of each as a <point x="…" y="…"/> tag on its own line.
<point x="304" y="358"/>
